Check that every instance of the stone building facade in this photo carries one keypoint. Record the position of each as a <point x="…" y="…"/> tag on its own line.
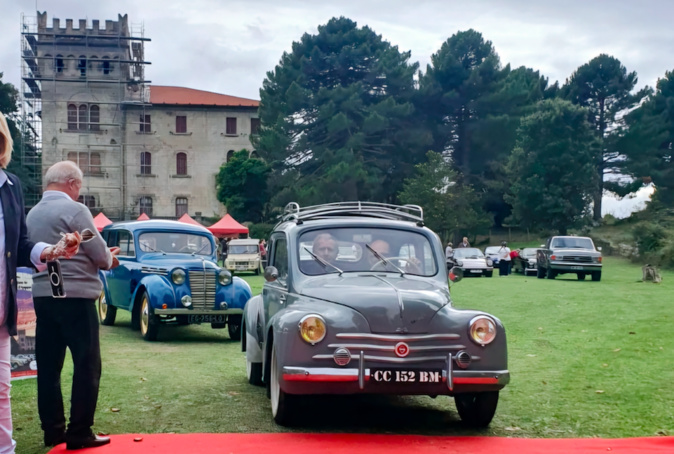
<point x="142" y="148"/>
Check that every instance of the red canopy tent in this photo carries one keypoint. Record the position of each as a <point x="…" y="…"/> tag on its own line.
<point x="143" y="217"/>
<point x="227" y="226"/>
<point x="101" y="221"/>
<point x="188" y="220"/>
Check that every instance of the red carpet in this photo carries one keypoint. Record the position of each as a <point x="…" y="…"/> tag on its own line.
<point x="294" y="443"/>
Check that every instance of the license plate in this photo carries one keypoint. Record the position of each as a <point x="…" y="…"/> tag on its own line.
<point x="406" y="376"/>
<point x="476" y="271"/>
<point x="206" y="318"/>
<point x="242" y="267"/>
<point x="576" y="267"/>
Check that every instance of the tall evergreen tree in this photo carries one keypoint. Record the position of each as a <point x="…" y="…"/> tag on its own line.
<point x="604" y="87"/>
<point x="649" y="141"/>
<point x="551" y="169"/>
<point x="337" y="118"/>
<point x="451" y="208"/>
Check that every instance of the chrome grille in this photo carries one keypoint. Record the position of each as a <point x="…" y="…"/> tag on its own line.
<point x="381" y="347"/>
<point x="576" y="258"/>
<point x="154" y="270"/>
<point x="202" y="287"/>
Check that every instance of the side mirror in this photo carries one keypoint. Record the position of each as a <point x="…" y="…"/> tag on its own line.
<point x="455" y="274"/>
<point x="270" y="274"/>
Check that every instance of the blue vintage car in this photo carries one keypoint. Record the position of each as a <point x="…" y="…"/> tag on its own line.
<point x="356" y="301"/>
<point x="168" y="273"/>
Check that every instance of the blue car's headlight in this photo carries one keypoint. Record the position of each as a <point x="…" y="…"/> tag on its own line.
<point x="224" y="277"/>
<point x="178" y="276"/>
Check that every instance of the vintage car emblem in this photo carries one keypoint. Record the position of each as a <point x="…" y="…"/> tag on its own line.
<point x="402" y="349"/>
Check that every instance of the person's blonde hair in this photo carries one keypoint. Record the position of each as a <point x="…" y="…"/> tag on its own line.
<point x="6" y="143"/>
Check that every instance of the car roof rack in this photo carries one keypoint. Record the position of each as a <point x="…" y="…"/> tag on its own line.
<point x="412" y="213"/>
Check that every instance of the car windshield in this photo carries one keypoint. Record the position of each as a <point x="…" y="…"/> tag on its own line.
<point x="243" y="249"/>
<point x="365" y="249"/>
<point x="468" y="253"/>
<point x="175" y="242"/>
<point x="572" y="243"/>
<point x="528" y="252"/>
<point x="492" y="250"/>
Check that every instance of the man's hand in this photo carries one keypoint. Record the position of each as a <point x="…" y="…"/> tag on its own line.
<point x="67" y="247"/>
<point x="115" y="252"/>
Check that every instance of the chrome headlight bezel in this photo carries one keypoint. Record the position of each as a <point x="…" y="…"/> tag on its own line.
<point x="305" y="326"/>
<point x="490" y="262"/>
<point x="178" y="276"/>
<point x="224" y="277"/>
<point x="482" y="330"/>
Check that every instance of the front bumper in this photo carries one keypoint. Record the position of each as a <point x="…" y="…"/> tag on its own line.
<point x="575" y="267"/>
<point x="197" y="312"/>
<point x="332" y="380"/>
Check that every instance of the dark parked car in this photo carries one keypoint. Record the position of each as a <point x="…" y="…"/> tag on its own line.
<point x="525" y="261"/>
<point x="168" y="272"/>
<point x="356" y="301"/>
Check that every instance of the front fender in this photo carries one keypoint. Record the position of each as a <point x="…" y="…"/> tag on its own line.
<point x="236" y="294"/>
<point x="252" y="341"/>
<point x="159" y="292"/>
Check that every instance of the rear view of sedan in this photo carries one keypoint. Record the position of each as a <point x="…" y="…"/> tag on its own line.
<point x="525" y="261"/>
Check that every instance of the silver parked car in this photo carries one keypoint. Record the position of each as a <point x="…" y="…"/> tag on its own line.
<point x="356" y="300"/>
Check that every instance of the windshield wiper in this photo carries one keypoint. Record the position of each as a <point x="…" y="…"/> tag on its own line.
<point x="383" y="260"/>
<point x="202" y="248"/>
<point x="323" y="262"/>
<point x="147" y="246"/>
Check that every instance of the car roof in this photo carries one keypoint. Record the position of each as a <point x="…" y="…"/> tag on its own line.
<point x="345" y="221"/>
<point x="157" y="225"/>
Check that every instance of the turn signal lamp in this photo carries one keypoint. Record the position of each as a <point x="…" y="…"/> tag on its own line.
<point x="312" y="329"/>
<point x="553" y="257"/>
<point x="482" y="330"/>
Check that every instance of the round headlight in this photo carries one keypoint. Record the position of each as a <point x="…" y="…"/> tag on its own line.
<point x="178" y="276"/>
<point x="489" y="262"/>
<point x="482" y="330"/>
<point x="224" y="277"/>
<point x="459" y="263"/>
<point x="312" y="329"/>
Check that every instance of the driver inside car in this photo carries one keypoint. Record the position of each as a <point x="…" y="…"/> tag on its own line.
<point x="382" y="248"/>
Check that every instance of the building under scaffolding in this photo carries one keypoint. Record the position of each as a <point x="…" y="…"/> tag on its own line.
<point x="76" y="85"/>
<point x="146" y="149"/>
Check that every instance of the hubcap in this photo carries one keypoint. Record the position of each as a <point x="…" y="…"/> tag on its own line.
<point x="275" y="388"/>
<point x="102" y="306"/>
<point x="144" y="316"/>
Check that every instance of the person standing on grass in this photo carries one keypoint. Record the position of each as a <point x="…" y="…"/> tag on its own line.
<point x="70" y="322"/>
<point x="15" y="250"/>
<point x="503" y="259"/>
<point x="464" y="243"/>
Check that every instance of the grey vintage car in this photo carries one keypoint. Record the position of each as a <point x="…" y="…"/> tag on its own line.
<point x="356" y="300"/>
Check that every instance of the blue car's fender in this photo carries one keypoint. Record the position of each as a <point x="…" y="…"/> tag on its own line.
<point x="236" y="294"/>
<point x="159" y="291"/>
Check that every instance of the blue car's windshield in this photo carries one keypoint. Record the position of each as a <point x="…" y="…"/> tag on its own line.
<point x="362" y="249"/>
<point x="175" y="242"/>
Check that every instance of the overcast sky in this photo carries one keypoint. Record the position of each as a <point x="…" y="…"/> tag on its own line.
<point x="227" y="46"/>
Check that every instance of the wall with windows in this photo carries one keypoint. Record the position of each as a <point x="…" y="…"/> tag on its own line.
<point x="175" y="153"/>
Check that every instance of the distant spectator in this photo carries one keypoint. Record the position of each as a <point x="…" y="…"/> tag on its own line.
<point x="514" y="253"/>
<point x="503" y="259"/>
<point x="464" y="243"/>
<point x="449" y="250"/>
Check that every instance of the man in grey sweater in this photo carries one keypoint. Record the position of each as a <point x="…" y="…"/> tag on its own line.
<point x="70" y="322"/>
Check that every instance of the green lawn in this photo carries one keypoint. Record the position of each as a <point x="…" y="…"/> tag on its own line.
<point x="586" y="359"/>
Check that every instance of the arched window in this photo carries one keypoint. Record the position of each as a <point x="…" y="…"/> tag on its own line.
<point x="230" y="153"/>
<point x="146" y="163"/>
<point x="145" y="205"/>
<point x="107" y="68"/>
<point x="94" y="118"/>
<point x="95" y="163"/>
<point x="181" y="206"/>
<point x="82" y="65"/>
<point x="181" y="164"/>
<point x="83" y="117"/>
<point x="88" y="200"/>
<point x="59" y="63"/>
<point x="253" y="154"/>
<point x="72" y="117"/>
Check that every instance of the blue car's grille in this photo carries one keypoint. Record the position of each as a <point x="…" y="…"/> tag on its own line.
<point x="202" y="287"/>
